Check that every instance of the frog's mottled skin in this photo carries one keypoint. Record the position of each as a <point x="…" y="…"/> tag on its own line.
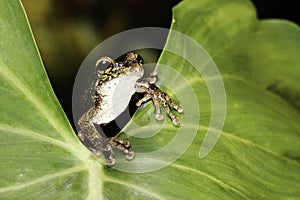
<point x="113" y="90"/>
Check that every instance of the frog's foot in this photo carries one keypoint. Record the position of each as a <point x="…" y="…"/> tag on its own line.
<point x="123" y="145"/>
<point x="161" y="98"/>
<point x="107" y="153"/>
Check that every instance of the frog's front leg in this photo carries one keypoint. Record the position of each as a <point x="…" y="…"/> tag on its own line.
<point x="159" y="98"/>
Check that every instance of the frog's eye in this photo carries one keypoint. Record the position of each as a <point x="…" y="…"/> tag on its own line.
<point x="140" y="59"/>
<point x="105" y="64"/>
<point x="105" y="61"/>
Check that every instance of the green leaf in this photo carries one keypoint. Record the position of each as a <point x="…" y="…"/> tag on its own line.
<point x="257" y="154"/>
<point x="41" y="158"/>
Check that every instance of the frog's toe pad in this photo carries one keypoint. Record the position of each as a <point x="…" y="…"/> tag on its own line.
<point x="179" y="108"/>
<point x="159" y="116"/>
<point x="176" y="121"/>
<point x="110" y="162"/>
<point x="129" y="155"/>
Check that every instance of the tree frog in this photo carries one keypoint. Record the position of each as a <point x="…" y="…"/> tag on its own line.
<point x="112" y="92"/>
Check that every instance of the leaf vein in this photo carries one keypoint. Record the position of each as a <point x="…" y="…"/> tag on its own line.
<point x="35" y="135"/>
<point x="250" y="143"/>
<point x="23" y="88"/>
<point x="224" y="185"/>
<point x="42" y="179"/>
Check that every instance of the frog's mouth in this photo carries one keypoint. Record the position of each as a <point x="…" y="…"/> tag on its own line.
<point x="137" y="70"/>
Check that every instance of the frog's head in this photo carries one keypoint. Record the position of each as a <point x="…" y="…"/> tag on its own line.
<point x="132" y="64"/>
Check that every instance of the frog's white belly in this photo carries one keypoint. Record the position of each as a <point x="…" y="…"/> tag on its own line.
<point x="116" y="95"/>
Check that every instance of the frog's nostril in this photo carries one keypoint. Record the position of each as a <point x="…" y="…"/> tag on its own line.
<point x="140" y="59"/>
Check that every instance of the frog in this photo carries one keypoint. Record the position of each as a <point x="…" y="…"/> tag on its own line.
<point x="113" y="90"/>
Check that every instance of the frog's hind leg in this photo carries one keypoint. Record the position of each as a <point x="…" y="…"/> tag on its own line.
<point x="99" y="143"/>
<point x="123" y="145"/>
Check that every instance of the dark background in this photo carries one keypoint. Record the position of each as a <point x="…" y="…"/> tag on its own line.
<point x="66" y="31"/>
